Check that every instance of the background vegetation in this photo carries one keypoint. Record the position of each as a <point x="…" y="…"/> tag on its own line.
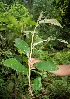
<point x="17" y="20"/>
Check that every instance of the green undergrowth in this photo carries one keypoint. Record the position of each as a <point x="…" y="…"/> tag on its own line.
<point x="51" y="45"/>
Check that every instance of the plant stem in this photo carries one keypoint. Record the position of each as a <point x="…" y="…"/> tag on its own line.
<point x="30" y="89"/>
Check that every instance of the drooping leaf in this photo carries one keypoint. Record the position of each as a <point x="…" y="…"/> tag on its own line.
<point x="46" y="66"/>
<point x="15" y="64"/>
<point x="51" y="21"/>
<point x="64" y="41"/>
<point x="22" y="46"/>
<point x="37" y="85"/>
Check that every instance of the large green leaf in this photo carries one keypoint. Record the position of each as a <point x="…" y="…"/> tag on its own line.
<point x="15" y="64"/>
<point x="22" y="46"/>
<point x="37" y="85"/>
<point x="46" y="66"/>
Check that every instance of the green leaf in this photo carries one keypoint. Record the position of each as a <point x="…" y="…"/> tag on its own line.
<point x="15" y="64"/>
<point x="57" y="1"/>
<point x="37" y="85"/>
<point x="2" y="27"/>
<point x="68" y="45"/>
<point x="51" y="21"/>
<point x="22" y="46"/>
<point x="46" y="66"/>
<point x="13" y="20"/>
<point x="3" y="19"/>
